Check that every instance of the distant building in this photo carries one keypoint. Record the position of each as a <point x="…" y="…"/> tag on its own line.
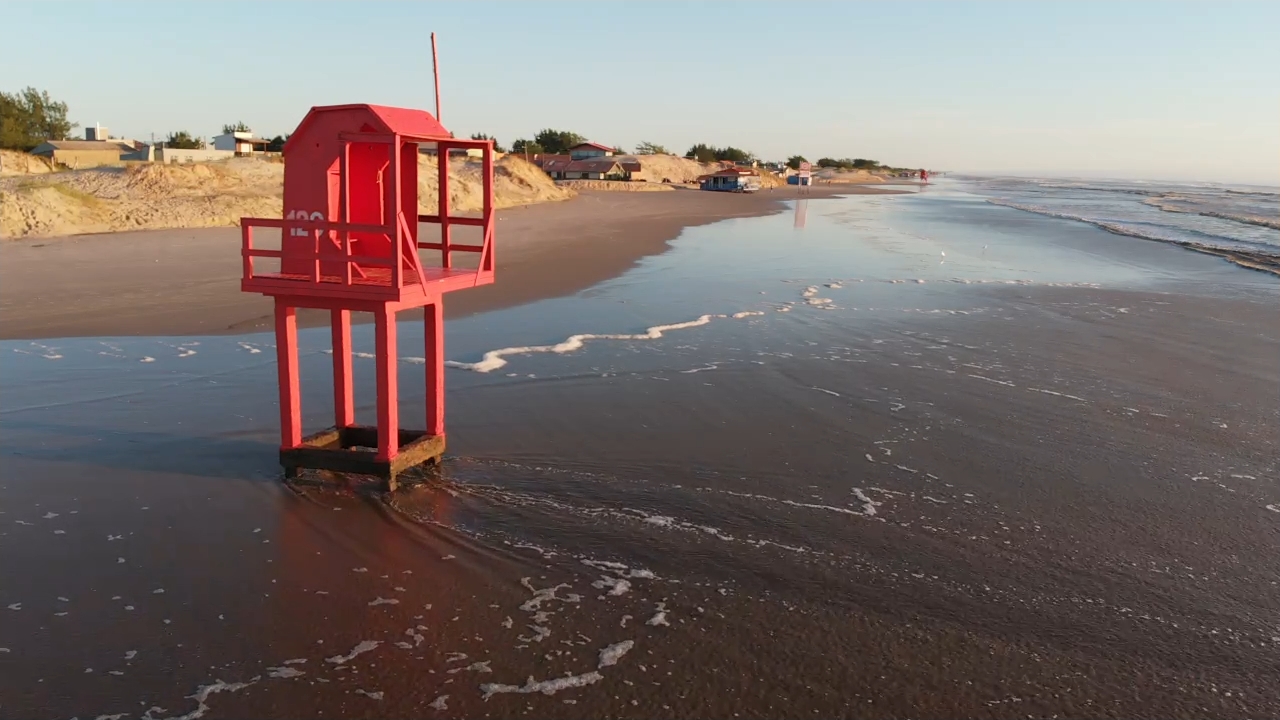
<point x="240" y="143"/>
<point x="185" y="155"/>
<point x="734" y="179"/>
<point x="588" y="150"/>
<point x="600" y="168"/>
<point x="553" y="165"/>
<point x="83" y="153"/>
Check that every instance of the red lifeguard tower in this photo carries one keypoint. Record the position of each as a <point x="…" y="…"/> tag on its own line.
<point x="349" y="241"/>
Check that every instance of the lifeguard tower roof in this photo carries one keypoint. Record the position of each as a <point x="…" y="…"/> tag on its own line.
<point x="409" y="124"/>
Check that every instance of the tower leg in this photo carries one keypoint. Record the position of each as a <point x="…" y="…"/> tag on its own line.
<point x="344" y="414"/>
<point x="433" y="315"/>
<point x="388" y="388"/>
<point x="287" y="366"/>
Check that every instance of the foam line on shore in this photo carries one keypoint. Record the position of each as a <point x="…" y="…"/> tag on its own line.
<point x="495" y="359"/>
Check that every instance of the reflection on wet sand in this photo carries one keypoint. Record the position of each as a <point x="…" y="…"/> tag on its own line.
<point x="878" y="503"/>
<point x="801" y="212"/>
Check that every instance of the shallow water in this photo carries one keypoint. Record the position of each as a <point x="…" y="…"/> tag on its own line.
<point x="1012" y="457"/>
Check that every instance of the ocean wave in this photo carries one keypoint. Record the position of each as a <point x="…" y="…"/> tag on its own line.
<point x="1263" y="193"/>
<point x="1097" y="188"/>
<point x="1170" y="203"/>
<point x="1267" y="260"/>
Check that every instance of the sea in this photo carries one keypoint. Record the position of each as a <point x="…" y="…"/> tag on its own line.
<point x="989" y="447"/>
<point x="1215" y="215"/>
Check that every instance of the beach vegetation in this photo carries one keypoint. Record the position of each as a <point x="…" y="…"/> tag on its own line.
<point x="648" y="148"/>
<point x="29" y="117"/>
<point x="76" y="194"/>
<point x="277" y="143"/>
<point x="182" y="140"/>
<point x="28" y="186"/>
<point x="794" y="161"/>
<point x="497" y="147"/>
<point x="528" y="147"/>
<point x="850" y="164"/>
<point x="703" y="152"/>
<point x="557" y="142"/>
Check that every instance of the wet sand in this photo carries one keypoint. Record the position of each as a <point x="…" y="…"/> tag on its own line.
<point x="964" y="497"/>
<point x="187" y="282"/>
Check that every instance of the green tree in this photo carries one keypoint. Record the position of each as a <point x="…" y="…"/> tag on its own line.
<point x="863" y="164"/>
<point x="182" y="140"/>
<point x="482" y="136"/>
<point x="277" y="143"/>
<point x="237" y="127"/>
<point x="557" y="142"/>
<point x="29" y="117"/>
<point x="702" y="152"/>
<point x="527" y="147"/>
<point x="734" y="154"/>
<point x="794" y="161"/>
<point x="648" y="148"/>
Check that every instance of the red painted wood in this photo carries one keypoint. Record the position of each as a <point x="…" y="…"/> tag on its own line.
<point x="287" y="368"/>
<point x="455" y="248"/>
<point x="486" y="259"/>
<point x="442" y="161"/>
<point x="433" y="332"/>
<point x="475" y="222"/>
<point x="344" y="413"/>
<point x="350" y="243"/>
<point x="388" y="387"/>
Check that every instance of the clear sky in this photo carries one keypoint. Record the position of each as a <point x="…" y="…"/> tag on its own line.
<point x="1141" y="90"/>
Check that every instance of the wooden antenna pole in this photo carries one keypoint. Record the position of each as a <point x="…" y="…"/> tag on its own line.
<point x="435" y="69"/>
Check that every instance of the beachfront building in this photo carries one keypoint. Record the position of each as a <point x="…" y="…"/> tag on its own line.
<point x="604" y="168"/>
<point x="553" y="165"/>
<point x="240" y="143"/>
<point x="733" y="179"/>
<point x="82" y="153"/>
<point x="564" y="167"/>
<point x="588" y="150"/>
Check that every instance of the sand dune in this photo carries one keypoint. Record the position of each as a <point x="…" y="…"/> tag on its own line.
<point x="139" y="197"/>
<point x="849" y="176"/>
<point x="13" y="162"/>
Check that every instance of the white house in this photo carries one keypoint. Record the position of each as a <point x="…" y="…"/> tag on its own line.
<point x="240" y="143"/>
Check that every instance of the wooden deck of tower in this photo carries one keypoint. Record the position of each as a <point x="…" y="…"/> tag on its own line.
<point x="350" y="243"/>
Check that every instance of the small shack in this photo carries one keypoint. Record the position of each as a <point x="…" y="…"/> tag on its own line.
<point x="731" y="180"/>
<point x="799" y="180"/>
<point x="240" y="143"/>
<point x="82" y="153"/>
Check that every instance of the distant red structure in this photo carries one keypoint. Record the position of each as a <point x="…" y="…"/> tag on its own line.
<point x="349" y="243"/>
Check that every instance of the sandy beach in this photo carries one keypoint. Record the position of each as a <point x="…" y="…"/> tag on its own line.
<point x="187" y="282"/>
<point x="905" y="456"/>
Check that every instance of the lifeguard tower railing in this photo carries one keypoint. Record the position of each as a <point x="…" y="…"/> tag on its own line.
<point x="336" y="271"/>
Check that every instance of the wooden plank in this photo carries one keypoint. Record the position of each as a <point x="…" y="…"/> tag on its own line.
<point x="476" y="222"/>
<point x="438" y="246"/>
